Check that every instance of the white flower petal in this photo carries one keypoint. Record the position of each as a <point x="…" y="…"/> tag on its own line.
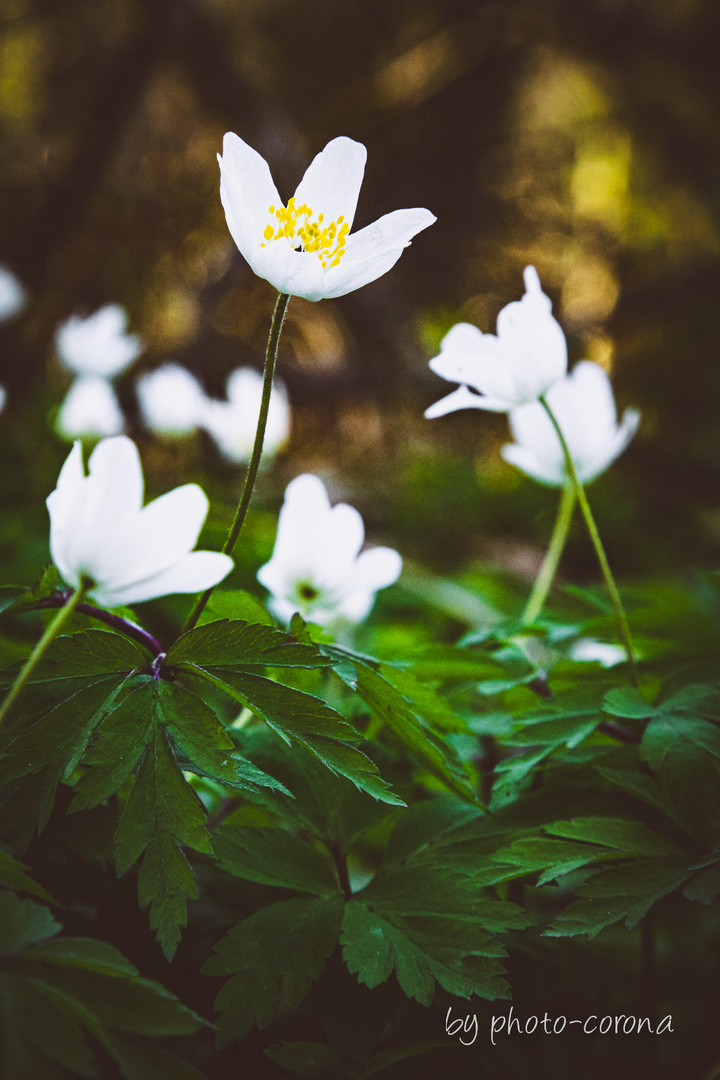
<point x="376" y="568"/>
<point x="171" y="400"/>
<point x="97" y="345"/>
<point x="331" y="185"/>
<point x="584" y="408"/>
<point x="98" y="529"/>
<point x="247" y="190"/>
<point x="90" y="408"/>
<point x="463" y="398"/>
<point x="296" y="273"/>
<point x="13" y="297"/>
<point x="527" y="462"/>
<point x="196" y="571"/>
<point x="163" y="532"/>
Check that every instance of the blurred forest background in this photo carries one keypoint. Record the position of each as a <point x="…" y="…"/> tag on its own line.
<point x="580" y="135"/>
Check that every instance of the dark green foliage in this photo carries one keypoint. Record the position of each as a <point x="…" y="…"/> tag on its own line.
<point x="61" y="996"/>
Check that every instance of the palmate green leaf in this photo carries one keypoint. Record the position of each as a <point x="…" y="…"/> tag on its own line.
<point x="274" y="857"/>
<point x="620" y="892"/>
<point x="43" y="752"/>
<point x="305" y="718"/>
<point x="238" y="645"/>
<point x="392" y="708"/>
<point x="683" y="749"/>
<point x="598" y="839"/>
<point x="420" y="952"/>
<point x="429" y="922"/>
<point x="54" y="993"/>
<point x="273" y="956"/>
<point x="235" y="604"/>
<point x="15" y="599"/>
<point x="162" y="812"/>
<point x="327" y="806"/>
<point x="13" y="876"/>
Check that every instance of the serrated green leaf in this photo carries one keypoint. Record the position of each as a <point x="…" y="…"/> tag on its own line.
<point x="627" y="892"/>
<point x="235" y="605"/>
<point x="619" y="834"/>
<point x="274" y="857"/>
<point x="391" y="707"/>
<point x="274" y="957"/>
<point x="552" y="857"/>
<point x="628" y="703"/>
<point x="162" y="812"/>
<point x="237" y="645"/>
<point x="705" y="886"/>
<point x="43" y="752"/>
<point x="294" y="714"/>
<point x="55" y="993"/>
<point x="23" y="922"/>
<point x="681" y="747"/>
<point x="374" y="946"/>
<point x="13" y="876"/>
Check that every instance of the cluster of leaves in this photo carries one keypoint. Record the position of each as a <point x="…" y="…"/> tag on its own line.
<point x="353" y="830"/>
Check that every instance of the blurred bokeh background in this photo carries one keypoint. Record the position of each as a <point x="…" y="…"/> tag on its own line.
<point x="580" y="135"/>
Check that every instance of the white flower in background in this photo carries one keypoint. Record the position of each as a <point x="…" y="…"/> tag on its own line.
<point x="12" y="295"/>
<point x="588" y="650"/>
<point x="515" y="367"/>
<point x="305" y="248"/>
<point x="90" y="409"/>
<point x="97" y="345"/>
<point x="317" y="567"/>
<point x="171" y="400"/>
<point x="100" y="530"/>
<point x="232" y="423"/>
<point x="3" y="397"/>
<point x="584" y="407"/>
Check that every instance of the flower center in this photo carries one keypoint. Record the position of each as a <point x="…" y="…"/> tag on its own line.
<point x="308" y="592"/>
<point x="297" y="225"/>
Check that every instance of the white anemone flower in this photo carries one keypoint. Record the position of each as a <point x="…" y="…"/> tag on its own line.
<point x="100" y="530"/>
<point x="232" y="423"/>
<point x="515" y="367"/>
<point x="317" y="567"/>
<point x="589" y="651"/>
<point x="584" y="407"/>
<point x="13" y="297"/>
<point x="305" y="248"/>
<point x="90" y="409"/>
<point x="171" y="400"/>
<point x="97" y="345"/>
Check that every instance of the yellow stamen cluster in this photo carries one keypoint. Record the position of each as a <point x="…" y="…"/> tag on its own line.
<point x="296" y="224"/>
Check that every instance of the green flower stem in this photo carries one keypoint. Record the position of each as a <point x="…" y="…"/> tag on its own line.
<point x="52" y="629"/>
<point x="612" y="588"/>
<point x="545" y="577"/>
<point x="251" y="474"/>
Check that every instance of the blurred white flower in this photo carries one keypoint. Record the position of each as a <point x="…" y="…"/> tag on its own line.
<point x="100" y="530"/>
<point x="12" y="295"/>
<point x="171" y="400"/>
<point x="97" y="345"/>
<point x="90" y="409"/>
<point x="3" y="397"/>
<point x="515" y="367"/>
<point x="588" y="650"/>
<point x="305" y="249"/>
<point x="317" y="567"/>
<point x="584" y="407"/>
<point x="232" y="423"/>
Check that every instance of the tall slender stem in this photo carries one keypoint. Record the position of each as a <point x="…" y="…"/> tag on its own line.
<point x="612" y="588"/>
<point x="51" y="630"/>
<point x="545" y="577"/>
<point x="252" y="471"/>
